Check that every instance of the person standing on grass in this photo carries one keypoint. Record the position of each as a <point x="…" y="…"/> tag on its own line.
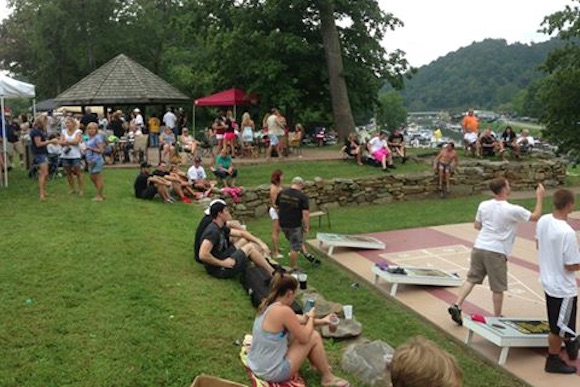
<point x="38" y="146"/>
<point x="94" y="155"/>
<point x="70" y="139"/>
<point x="275" y="189"/>
<point x="559" y="259"/>
<point x="294" y="217"/>
<point x="497" y="221"/>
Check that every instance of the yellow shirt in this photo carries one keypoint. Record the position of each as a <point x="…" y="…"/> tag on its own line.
<point x="154" y="124"/>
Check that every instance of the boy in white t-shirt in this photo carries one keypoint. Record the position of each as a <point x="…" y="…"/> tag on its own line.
<point x="497" y="221"/>
<point x="198" y="178"/>
<point x="559" y="259"/>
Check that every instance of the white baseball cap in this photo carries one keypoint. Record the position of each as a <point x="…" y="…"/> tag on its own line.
<point x="207" y="210"/>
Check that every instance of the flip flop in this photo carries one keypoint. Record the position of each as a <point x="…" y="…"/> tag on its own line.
<point x="336" y="382"/>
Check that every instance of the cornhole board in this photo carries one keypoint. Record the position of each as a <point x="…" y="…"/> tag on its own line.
<point x="417" y="276"/>
<point x="506" y="332"/>
<point x="344" y="240"/>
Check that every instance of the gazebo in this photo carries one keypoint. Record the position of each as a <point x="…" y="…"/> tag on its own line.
<point x="121" y="81"/>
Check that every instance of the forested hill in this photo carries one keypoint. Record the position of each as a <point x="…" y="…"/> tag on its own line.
<point x="485" y="75"/>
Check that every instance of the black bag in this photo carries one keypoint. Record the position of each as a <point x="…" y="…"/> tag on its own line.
<point x="256" y="282"/>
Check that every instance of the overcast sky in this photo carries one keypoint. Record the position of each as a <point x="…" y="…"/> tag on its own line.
<point x="434" y="28"/>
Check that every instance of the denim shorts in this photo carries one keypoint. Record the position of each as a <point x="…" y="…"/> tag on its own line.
<point x="96" y="166"/>
<point x="40" y="159"/>
<point x="295" y="237"/>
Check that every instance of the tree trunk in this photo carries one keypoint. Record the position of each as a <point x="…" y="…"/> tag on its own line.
<point x="341" y="112"/>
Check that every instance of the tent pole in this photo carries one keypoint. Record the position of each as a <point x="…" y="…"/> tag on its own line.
<point x="4" y="140"/>
<point x="193" y="119"/>
<point x="33" y="107"/>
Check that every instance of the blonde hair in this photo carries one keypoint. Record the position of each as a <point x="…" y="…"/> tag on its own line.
<point x="246" y="119"/>
<point x="40" y="121"/>
<point x="279" y="286"/>
<point x="420" y="362"/>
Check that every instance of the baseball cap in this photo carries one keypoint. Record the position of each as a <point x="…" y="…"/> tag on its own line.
<point x="145" y="164"/>
<point x="136" y="110"/>
<point x="212" y="203"/>
<point x="298" y="180"/>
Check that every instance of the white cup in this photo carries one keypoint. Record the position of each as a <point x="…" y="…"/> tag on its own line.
<point x="347" y="310"/>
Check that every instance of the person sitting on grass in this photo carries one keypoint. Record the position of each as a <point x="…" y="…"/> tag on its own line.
<point x="420" y="362"/>
<point x="224" y="169"/>
<point x="396" y="142"/>
<point x="380" y="151"/>
<point x="352" y="148"/>
<point x="175" y="181"/>
<point x="220" y="257"/>
<point x="282" y="340"/>
<point x="198" y="178"/>
<point x="444" y="164"/>
<point x="147" y="186"/>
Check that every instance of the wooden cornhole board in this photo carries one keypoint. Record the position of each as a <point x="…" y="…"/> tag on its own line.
<point x="344" y="240"/>
<point x="417" y="276"/>
<point x="506" y="332"/>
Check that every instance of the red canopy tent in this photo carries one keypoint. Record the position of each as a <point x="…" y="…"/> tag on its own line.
<point x="231" y="97"/>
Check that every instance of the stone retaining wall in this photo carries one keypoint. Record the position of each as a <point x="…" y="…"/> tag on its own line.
<point x="471" y="178"/>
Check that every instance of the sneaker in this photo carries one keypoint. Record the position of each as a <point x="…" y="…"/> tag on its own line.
<point x="312" y="259"/>
<point x="392" y="166"/>
<point x="555" y="365"/>
<point x="455" y="312"/>
<point x="186" y="200"/>
<point x="572" y="347"/>
<point x="279" y="256"/>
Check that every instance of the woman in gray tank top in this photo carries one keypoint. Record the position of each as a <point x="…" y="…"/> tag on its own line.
<point x="282" y="340"/>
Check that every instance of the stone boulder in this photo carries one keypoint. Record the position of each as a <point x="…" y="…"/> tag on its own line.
<point x="346" y="329"/>
<point x="368" y="361"/>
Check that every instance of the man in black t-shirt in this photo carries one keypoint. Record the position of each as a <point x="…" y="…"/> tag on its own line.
<point x="293" y="214"/>
<point x="220" y="257"/>
<point x="147" y="186"/>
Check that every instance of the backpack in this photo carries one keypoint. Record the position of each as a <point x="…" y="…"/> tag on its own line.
<point x="256" y="282"/>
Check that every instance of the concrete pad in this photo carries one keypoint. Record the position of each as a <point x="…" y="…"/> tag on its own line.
<point x="448" y="247"/>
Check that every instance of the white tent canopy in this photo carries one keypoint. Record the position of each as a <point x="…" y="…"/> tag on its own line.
<point x="11" y="88"/>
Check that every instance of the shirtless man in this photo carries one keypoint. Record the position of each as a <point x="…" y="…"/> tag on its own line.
<point x="445" y="162"/>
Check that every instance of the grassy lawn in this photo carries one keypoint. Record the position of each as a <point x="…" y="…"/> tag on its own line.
<point x="96" y="294"/>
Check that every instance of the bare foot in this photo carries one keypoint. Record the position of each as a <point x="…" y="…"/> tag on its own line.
<point x="98" y="199"/>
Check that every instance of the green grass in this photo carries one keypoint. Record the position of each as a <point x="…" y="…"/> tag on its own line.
<point x="108" y="293"/>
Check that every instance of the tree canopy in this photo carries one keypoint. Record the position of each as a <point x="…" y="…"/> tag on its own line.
<point x="559" y="92"/>
<point x="274" y="48"/>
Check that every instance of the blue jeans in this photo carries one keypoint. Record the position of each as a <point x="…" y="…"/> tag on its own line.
<point x="154" y="140"/>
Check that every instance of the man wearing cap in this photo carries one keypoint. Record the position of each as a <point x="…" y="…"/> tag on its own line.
<point x="147" y="186"/>
<point x="294" y="217"/>
<point x="220" y="257"/>
<point x="232" y="224"/>
<point x="197" y="176"/>
<point x="138" y="119"/>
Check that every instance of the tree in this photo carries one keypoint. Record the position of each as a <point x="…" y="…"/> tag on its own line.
<point x="559" y="92"/>
<point x="391" y="111"/>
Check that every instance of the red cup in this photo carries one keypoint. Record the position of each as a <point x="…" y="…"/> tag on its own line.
<point x="478" y="318"/>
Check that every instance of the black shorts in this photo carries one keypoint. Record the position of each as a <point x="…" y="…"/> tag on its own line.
<point x="562" y="315"/>
<point x="149" y="192"/>
<point x="225" y="272"/>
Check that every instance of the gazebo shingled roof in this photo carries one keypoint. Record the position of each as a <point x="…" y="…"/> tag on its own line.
<point x="120" y="81"/>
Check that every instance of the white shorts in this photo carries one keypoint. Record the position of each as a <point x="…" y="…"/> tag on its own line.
<point x="219" y="137"/>
<point x="470" y="138"/>
<point x="273" y="213"/>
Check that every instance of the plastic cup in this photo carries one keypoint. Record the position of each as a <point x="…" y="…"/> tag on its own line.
<point x="303" y="278"/>
<point x="347" y="310"/>
<point x="334" y="321"/>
